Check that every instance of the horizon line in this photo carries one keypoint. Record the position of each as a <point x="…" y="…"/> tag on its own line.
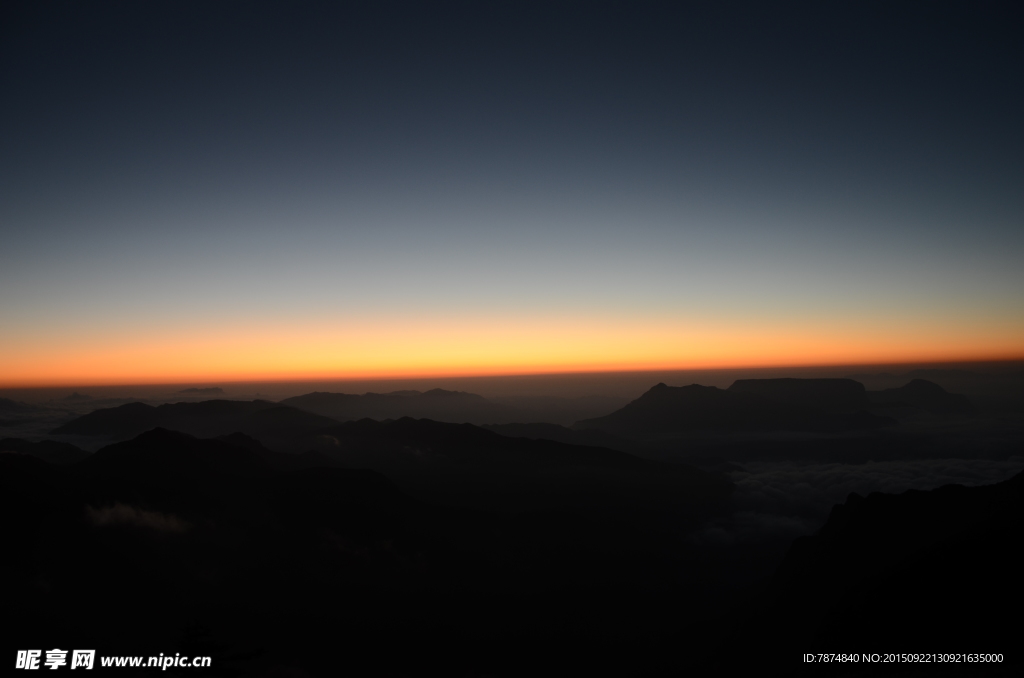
<point x="949" y="364"/>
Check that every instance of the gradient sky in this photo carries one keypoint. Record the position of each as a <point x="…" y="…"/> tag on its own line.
<point x="261" y="190"/>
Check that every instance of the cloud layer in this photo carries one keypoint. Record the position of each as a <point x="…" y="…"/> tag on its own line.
<point x="785" y="500"/>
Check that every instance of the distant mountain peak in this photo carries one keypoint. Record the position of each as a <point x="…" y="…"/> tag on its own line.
<point x="748" y="405"/>
<point x="438" y="403"/>
<point x="443" y="392"/>
<point x="925" y="395"/>
<point x="923" y="386"/>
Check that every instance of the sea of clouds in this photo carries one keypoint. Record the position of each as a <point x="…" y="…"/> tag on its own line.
<point x="783" y="500"/>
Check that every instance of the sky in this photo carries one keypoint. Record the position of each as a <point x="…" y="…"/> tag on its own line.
<point x="203" y="191"/>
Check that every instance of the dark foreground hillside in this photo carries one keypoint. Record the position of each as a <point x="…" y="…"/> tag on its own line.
<point x="288" y="564"/>
<point x="168" y="543"/>
<point x="919" y="572"/>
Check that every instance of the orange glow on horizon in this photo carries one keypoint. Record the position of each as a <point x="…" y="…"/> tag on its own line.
<point x="490" y="347"/>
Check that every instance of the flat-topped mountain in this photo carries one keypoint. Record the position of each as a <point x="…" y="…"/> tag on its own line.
<point x="261" y="419"/>
<point x="826" y="405"/>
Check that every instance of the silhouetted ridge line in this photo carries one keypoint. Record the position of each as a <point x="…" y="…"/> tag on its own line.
<point x="259" y="418"/>
<point x="826" y="405"/>
<point x="925" y="395"/>
<point x="475" y="445"/>
<point x="50" y="451"/>
<point x="8" y="406"/>
<point x="465" y="465"/>
<point x="433" y="404"/>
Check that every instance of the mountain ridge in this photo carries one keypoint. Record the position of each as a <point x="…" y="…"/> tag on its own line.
<point x="748" y="405"/>
<point x="265" y="420"/>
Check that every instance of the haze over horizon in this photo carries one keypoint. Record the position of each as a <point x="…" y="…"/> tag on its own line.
<point x="193" y="193"/>
<point x="558" y="385"/>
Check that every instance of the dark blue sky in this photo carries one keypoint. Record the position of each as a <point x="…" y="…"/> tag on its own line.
<point x="731" y="166"/>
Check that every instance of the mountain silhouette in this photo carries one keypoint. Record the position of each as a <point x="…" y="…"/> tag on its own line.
<point x="990" y="390"/>
<point x="465" y="464"/>
<point x="925" y="395"/>
<point x="8" y="406"/>
<point x="457" y="407"/>
<point x="267" y="421"/>
<point x="134" y="548"/>
<point x="472" y="445"/>
<point x="831" y="395"/>
<point x="814" y="405"/>
<point x="48" y="450"/>
<point x="485" y="550"/>
<point x="561" y="434"/>
<point x="467" y="548"/>
<point x="554" y="409"/>
<point x="14" y="413"/>
<point x="154" y="516"/>
<point x="437" y="404"/>
<point x="458" y="464"/>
